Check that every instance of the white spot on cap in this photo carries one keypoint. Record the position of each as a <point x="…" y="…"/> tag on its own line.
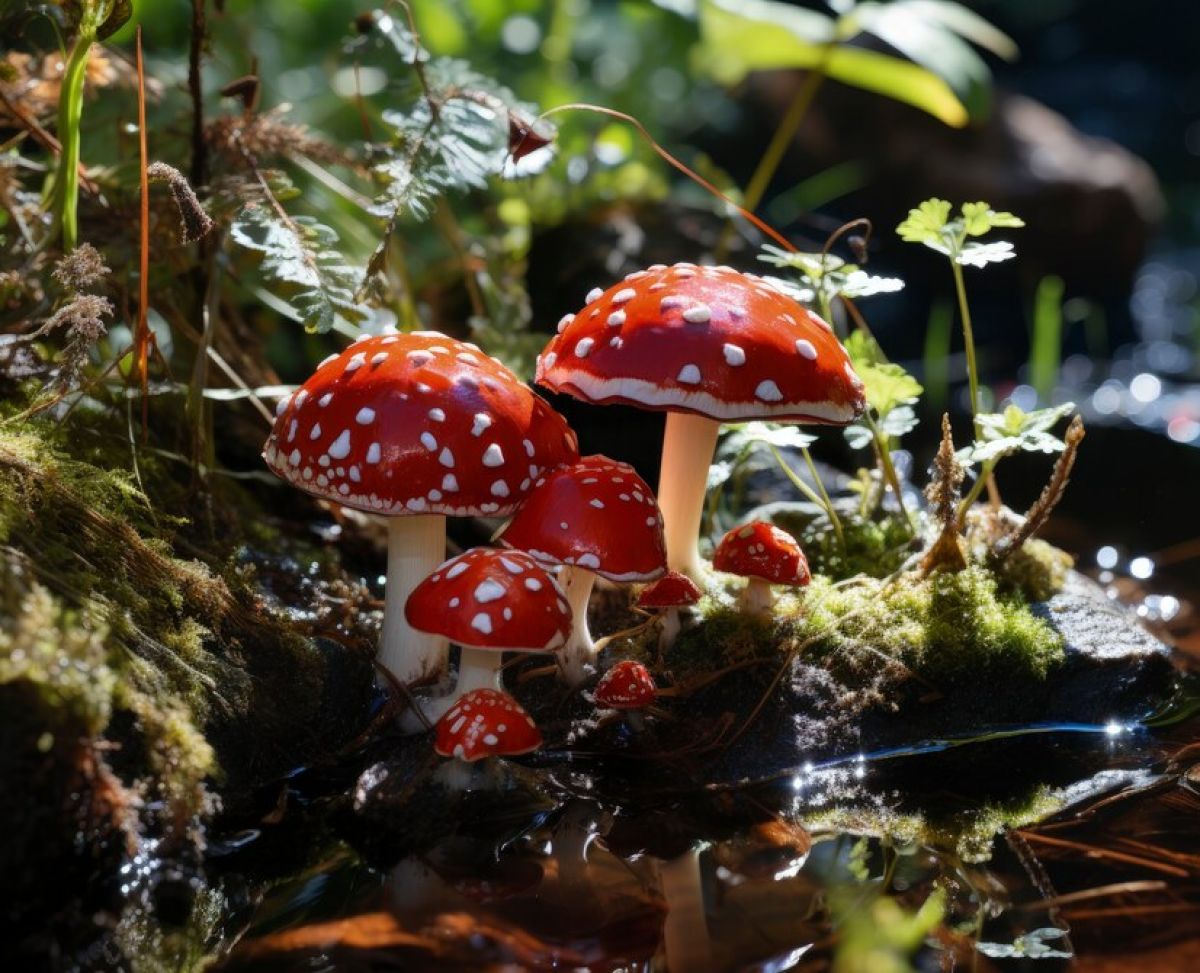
<point x="429" y="442"/>
<point x="689" y="375"/>
<point x="366" y="415"/>
<point x="331" y="358"/>
<point x="437" y="415"/>
<point x="373" y="453"/>
<point x="623" y="295"/>
<point x="734" y="355"/>
<point x="292" y="426"/>
<point x="549" y="360"/>
<point x="528" y="444"/>
<point x="493" y="456"/>
<point x="698" y="314"/>
<point x="482" y="421"/>
<point x="456" y="569"/>
<point x="356" y="362"/>
<point x="294" y="458"/>
<point x="419" y="358"/>
<point x="379" y="358"/>
<point x="512" y="567"/>
<point x="488" y="591"/>
<point x="583" y="346"/>
<point x="737" y="311"/>
<point x="446" y="458"/>
<point x="564" y="322"/>
<point x="588" y="561"/>
<point x="616" y="319"/>
<point x="355" y="475"/>
<point x="533" y="584"/>
<point x="325" y="399"/>
<point x="499" y="489"/>
<point x="670" y="301"/>
<point x="301" y="397"/>
<point x="344" y="489"/>
<point x="315" y="432"/>
<point x="450" y="483"/>
<point x="592" y="295"/>
<point x="598" y="504"/>
<point x="482" y="623"/>
<point x="768" y="391"/>
<point x="806" y="348"/>
<point x="282" y="404"/>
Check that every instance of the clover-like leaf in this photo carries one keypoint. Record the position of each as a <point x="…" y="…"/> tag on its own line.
<point x="1033" y="944"/>
<point x="767" y="433"/>
<point x="926" y="222"/>
<point x="888" y="385"/>
<point x="1016" y="431"/>
<point x="858" y="283"/>
<point x="982" y="254"/>
<point x="978" y="218"/>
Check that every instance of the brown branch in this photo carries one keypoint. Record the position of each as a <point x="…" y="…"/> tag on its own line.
<point x="196" y="90"/>
<point x="1039" y="513"/>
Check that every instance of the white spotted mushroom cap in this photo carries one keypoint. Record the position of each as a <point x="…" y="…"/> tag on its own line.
<point x="707" y="340"/>
<point x="596" y="514"/>
<point x="627" y="685"/>
<point x="762" y="550"/>
<point x="486" y="723"/>
<point x="417" y="423"/>
<point x="492" y="599"/>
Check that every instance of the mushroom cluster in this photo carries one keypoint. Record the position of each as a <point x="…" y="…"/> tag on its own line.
<point x="419" y="427"/>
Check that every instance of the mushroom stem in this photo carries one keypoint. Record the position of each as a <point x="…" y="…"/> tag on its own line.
<point x="668" y="631"/>
<point x="580" y="650"/>
<point x="756" y="598"/>
<point x="477" y="669"/>
<point x="687" y="451"/>
<point x="687" y="941"/>
<point x="416" y="546"/>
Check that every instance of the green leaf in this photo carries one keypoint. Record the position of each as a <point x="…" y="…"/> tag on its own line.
<point x="1016" y="431"/>
<point x="745" y="434"/>
<point x="740" y="36"/>
<point x="926" y="223"/>
<point x="978" y="218"/>
<point x="965" y="23"/>
<point x="298" y="255"/>
<point x="982" y="254"/>
<point x="888" y="385"/>
<point x="829" y="274"/>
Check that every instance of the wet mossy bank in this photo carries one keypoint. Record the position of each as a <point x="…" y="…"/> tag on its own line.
<point x="143" y="681"/>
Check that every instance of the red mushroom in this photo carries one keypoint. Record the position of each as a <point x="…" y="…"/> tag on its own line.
<point x="489" y="602"/>
<point x="666" y="596"/>
<point x="594" y="517"/>
<point x="706" y="345"/>
<point x="765" y="555"/>
<point x="627" y="685"/>
<point x="482" y="724"/>
<point x="416" y="427"/>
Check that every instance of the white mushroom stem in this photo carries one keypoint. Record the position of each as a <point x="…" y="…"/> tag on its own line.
<point x="687" y="451"/>
<point x="477" y="669"/>
<point x="416" y="546"/>
<point x="668" y="630"/>
<point x="580" y="650"/>
<point x="687" y="941"/>
<point x="756" y="598"/>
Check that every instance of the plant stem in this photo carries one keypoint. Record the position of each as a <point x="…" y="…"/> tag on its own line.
<point x="70" y="112"/>
<point x="964" y="310"/>
<point x="985" y="474"/>
<point x="767" y="166"/>
<point x="889" y="468"/>
<point x="828" y="503"/>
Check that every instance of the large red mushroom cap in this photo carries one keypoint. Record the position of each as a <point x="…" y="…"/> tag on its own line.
<point x="486" y="723"/>
<point x="596" y="514"/>
<point x="417" y="423"/>
<point x="762" y="550"/>
<point x="627" y="685"/>
<point x="707" y="340"/>
<point x="489" y="599"/>
<point x="672" y="590"/>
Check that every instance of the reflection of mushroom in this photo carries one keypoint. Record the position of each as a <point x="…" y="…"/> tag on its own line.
<point x="483" y="724"/>
<point x="416" y="427"/>
<point x="666" y="596"/>
<point x="687" y="941"/>
<point x="706" y="345"/>
<point x="765" y="555"/>
<point x="594" y="517"/>
<point x="487" y="602"/>
<point x="629" y="688"/>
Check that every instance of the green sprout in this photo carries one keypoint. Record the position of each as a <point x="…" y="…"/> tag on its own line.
<point x="823" y="277"/>
<point x="931" y="224"/>
<point x="1005" y="433"/>
<point x="891" y="393"/>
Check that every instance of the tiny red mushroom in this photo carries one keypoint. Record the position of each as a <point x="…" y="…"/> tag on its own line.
<point x="416" y="427"/>
<point x="666" y="596"/>
<point x="489" y="601"/>
<point x="706" y="345"/>
<point x="593" y="517"/>
<point x="765" y="555"/>
<point x="484" y="723"/>
<point x="627" y="685"/>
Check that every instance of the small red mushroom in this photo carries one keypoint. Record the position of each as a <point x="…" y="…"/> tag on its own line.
<point x="594" y="517"/>
<point x="628" y="687"/>
<point x="765" y="555"/>
<point x="666" y="596"/>
<point x="706" y="345"/>
<point x="482" y="724"/>
<point x="489" y="601"/>
<point x="416" y="427"/>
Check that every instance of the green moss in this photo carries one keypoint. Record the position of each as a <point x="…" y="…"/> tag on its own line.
<point x="1037" y="570"/>
<point x="874" y="548"/>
